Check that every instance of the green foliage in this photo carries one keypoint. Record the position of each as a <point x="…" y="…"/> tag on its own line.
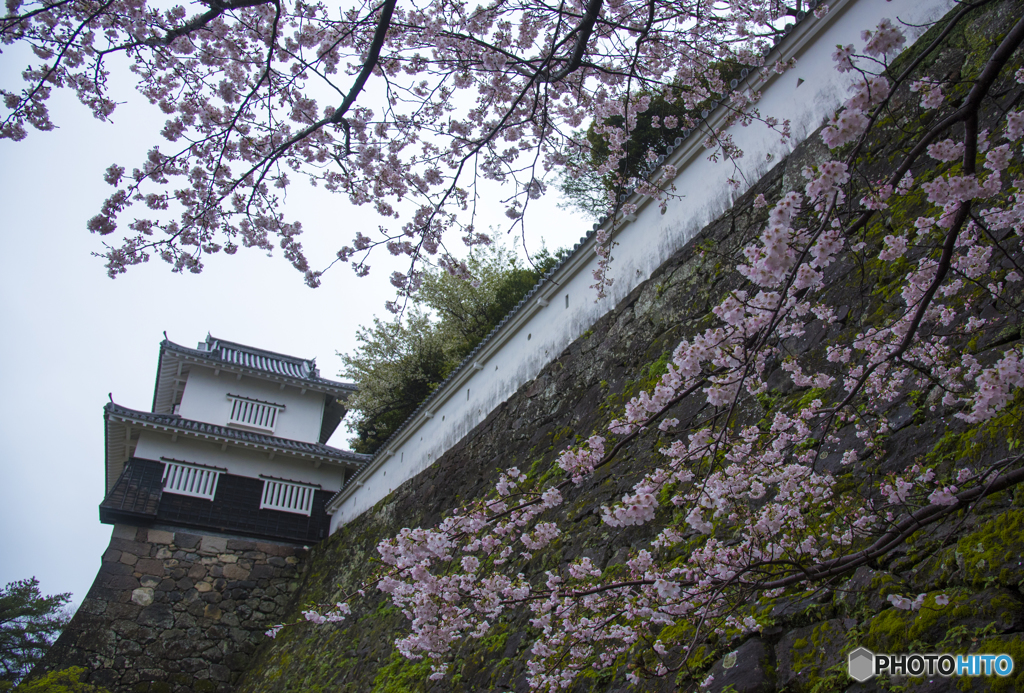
<point x="29" y="623"/>
<point x="63" y="681"/>
<point x="398" y="364"/>
<point x="401" y="675"/>
<point x="588" y="192"/>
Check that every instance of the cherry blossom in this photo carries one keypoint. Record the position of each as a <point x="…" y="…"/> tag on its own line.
<point x="405" y="108"/>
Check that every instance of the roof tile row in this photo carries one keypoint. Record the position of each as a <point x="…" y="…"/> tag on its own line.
<point x="189" y="425"/>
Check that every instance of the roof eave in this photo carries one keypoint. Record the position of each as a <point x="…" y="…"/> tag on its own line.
<point x="123" y="415"/>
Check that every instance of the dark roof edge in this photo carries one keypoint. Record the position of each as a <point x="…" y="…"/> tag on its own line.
<point x="284" y="445"/>
<point x="323" y="383"/>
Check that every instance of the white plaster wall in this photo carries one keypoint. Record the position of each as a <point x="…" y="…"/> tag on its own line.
<point x="516" y="355"/>
<point x="154" y="445"/>
<point x="205" y="399"/>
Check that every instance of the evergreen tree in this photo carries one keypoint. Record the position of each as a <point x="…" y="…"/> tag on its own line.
<point x="29" y="623"/>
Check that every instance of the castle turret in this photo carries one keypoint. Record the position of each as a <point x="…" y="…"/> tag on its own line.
<point x="235" y="443"/>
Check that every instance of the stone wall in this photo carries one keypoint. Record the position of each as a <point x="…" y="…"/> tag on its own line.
<point x="172" y="611"/>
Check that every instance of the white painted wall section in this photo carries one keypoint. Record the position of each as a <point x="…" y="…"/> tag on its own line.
<point x="206" y="399"/>
<point x="155" y="446"/>
<point x="564" y="306"/>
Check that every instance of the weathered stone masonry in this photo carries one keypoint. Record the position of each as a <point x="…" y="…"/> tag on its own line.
<point x="172" y="611"/>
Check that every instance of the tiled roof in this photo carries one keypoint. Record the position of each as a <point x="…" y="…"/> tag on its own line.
<point x="269" y="362"/>
<point x="177" y="423"/>
<point x="652" y="167"/>
<point x="176" y="360"/>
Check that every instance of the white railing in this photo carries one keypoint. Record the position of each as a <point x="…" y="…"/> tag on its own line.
<point x="287" y="496"/>
<point x="190" y="480"/>
<point x="253" y="413"/>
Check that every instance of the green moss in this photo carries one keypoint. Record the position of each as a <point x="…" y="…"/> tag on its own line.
<point x="896" y="630"/>
<point x="63" y="681"/>
<point x="1013" y="646"/>
<point x="401" y="675"/>
<point x="993" y="554"/>
<point x="887" y="632"/>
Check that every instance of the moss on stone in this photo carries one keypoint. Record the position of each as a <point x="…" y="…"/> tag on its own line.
<point x="994" y="554"/>
<point x="401" y="675"/>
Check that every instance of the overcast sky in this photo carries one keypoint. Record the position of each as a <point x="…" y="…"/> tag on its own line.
<point x="71" y="335"/>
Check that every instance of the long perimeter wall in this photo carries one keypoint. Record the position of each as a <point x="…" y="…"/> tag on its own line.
<point x="563" y="306"/>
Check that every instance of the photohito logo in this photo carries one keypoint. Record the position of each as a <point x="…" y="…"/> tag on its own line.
<point x="863" y="664"/>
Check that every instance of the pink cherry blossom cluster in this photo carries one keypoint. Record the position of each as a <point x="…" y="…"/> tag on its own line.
<point x="405" y="108"/>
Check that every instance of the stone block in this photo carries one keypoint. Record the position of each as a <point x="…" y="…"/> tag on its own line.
<point x="123" y="611"/>
<point x="197" y="572"/>
<point x="203" y="587"/>
<point x="211" y="546"/>
<point x="118" y="582"/>
<point x="162" y="552"/>
<point x="744" y="670"/>
<point x="116" y="569"/>
<point x="178" y="648"/>
<point x="240" y="545"/>
<point x="217" y="632"/>
<point x="143" y="596"/>
<point x="128" y="558"/>
<point x="234" y="572"/>
<point x="126" y="629"/>
<point x="112" y="555"/>
<point x="157" y="616"/>
<point x="186" y="541"/>
<point x="219" y="672"/>
<point x="275" y="549"/>
<point x="149" y="581"/>
<point x="124" y="532"/>
<point x="261" y="572"/>
<point x="93" y="606"/>
<point x="212" y="612"/>
<point x="159" y="536"/>
<point x="236" y="661"/>
<point x="152" y="675"/>
<point x="103" y="594"/>
<point x="150" y="566"/>
<point x="228" y="558"/>
<point x="127" y="677"/>
<point x="107" y="678"/>
<point x="139" y="548"/>
<point x="128" y="648"/>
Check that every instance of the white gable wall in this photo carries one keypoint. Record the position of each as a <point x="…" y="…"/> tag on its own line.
<point x="206" y="399"/>
<point x="805" y="95"/>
